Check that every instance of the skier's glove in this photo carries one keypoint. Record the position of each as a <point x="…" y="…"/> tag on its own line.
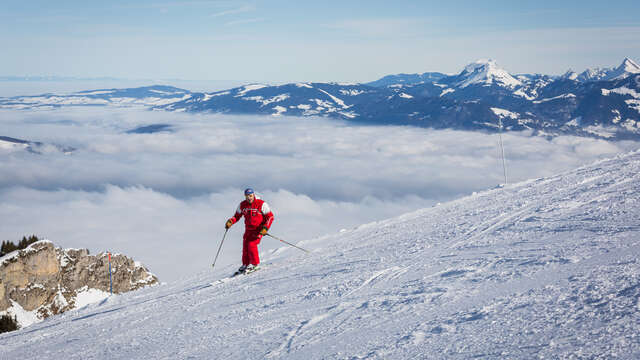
<point x="264" y="230"/>
<point x="228" y="224"/>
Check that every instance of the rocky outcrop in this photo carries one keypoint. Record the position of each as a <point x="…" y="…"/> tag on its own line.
<point x="46" y="280"/>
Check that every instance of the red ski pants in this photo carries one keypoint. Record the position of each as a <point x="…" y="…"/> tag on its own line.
<point x="250" y="242"/>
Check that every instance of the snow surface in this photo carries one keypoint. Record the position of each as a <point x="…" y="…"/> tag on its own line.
<point x="268" y="101"/>
<point x="563" y="96"/>
<point x="25" y="318"/>
<point x="621" y="91"/>
<point x="446" y="91"/>
<point x="250" y="87"/>
<point x="207" y="97"/>
<point x="335" y="99"/>
<point x="503" y="113"/>
<point x="99" y="92"/>
<point x="521" y="93"/>
<point x="279" y="110"/>
<point x="547" y="268"/>
<point x="351" y="92"/>
<point x="87" y="296"/>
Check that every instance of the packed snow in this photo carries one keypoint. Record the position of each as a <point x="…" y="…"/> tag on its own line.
<point x="547" y="268"/>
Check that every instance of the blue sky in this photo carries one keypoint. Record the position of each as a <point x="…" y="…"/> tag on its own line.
<point x="281" y="41"/>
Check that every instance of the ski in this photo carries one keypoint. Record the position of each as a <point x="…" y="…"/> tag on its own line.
<point x="236" y="274"/>
<point x="245" y="272"/>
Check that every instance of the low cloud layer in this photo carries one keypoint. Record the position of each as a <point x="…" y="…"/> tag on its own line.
<point x="163" y="197"/>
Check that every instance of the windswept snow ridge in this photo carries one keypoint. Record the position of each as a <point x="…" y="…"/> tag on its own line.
<point x="548" y="268"/>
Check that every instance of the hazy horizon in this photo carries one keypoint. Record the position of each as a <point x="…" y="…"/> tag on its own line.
<point x="283" y="41"/>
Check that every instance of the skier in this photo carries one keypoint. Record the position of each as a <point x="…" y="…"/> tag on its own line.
<point x="257" y="221"/>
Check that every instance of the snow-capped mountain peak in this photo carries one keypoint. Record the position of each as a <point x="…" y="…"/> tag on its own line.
<point x="486" y="72"/>
<point x="630" y="65"/>
<point x="570" y="75"/>
<point x="627" y="68"/>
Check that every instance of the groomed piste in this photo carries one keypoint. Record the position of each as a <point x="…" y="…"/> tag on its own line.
<point x="546" y="268"/>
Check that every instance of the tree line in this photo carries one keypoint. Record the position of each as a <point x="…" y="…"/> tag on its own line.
<point x="8" y="322"/>
<point x="9" y="246"/>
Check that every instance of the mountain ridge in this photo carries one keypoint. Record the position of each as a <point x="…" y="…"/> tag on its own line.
<point x="476" y="99"/>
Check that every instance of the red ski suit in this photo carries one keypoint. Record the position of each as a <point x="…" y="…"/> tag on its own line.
<point x="256" y="215"/>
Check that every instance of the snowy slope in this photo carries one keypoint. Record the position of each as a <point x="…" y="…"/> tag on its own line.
<point x="545" y="268"/>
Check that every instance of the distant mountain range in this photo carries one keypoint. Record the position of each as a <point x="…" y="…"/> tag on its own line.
<point x="603" y="103"/>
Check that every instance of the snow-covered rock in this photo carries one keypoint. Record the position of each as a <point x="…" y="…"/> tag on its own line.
<point x="43" y="280"/>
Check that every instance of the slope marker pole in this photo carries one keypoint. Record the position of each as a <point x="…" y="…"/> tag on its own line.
<point x="504" y="163"/>
<point x="110" y="280"/>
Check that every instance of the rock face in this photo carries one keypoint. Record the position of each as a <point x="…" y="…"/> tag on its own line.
<point x="46" y="280"/>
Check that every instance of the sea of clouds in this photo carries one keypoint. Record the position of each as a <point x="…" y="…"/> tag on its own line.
<point x="163" y="197"/>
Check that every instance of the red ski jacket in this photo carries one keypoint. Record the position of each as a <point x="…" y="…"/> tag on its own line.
<point x="256" y="214"/>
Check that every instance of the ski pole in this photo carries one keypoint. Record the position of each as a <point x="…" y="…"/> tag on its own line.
<point x="219" y="248"/>
<point x="288" y="243"/>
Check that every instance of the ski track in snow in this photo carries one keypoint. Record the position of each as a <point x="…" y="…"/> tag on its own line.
<point x="546" y="268"/>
